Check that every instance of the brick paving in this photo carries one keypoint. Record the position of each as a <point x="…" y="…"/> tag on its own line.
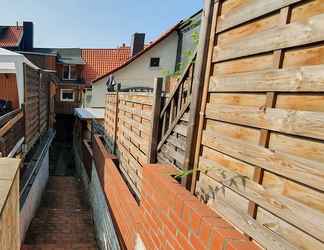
<point x="63" y="220"/>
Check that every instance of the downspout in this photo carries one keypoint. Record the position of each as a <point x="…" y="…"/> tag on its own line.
<point x="179" y="50"/>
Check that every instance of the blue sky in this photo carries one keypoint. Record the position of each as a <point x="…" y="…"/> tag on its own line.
<point x="95" y="23"/>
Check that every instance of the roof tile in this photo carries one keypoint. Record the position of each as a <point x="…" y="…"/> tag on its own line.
<point x="100" y="61"/>
<point x="11" y="37"/>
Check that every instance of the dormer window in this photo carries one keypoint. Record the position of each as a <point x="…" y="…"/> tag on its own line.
<point x="69" y="72"/>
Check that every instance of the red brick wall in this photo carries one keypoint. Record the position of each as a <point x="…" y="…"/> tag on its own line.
<point x="168" y="216"/>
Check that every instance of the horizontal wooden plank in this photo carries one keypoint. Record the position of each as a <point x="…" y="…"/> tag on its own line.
<point x="177" y="142"/>
<point x="11" y="123"/>
<point x="248" y="225"/>
<point x="180" y="129"/>
<point x="306" y="219"/>
<point x="307" y="79"/>
<point x="295" y="168"/>
<point x="167" y="149"/>
<point x="284" y="36"/>
<point x="303" y="123"/>
<point x="144" y="114"/>
<point x="249" y="11"/>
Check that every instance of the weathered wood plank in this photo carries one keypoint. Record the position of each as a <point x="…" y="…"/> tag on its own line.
<point x="302" y="33"/>
<point x="306" y="219"/>
<point x="295" y="168"/>
<point x="302" y="79"/>
<point x="247" y="224"/>
<point x="251" y="10"/>
<point x="303" y="123"/>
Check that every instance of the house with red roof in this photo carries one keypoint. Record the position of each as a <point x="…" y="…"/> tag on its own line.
<point x="18" y="37"/>
<point x="163" y="57"/>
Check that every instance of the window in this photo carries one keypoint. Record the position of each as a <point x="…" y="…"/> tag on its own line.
<point x="155" y="62"/>
<point x="69" y="72"/>
<point x="67" y="95"/>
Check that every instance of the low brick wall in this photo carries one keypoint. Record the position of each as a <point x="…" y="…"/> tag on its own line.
<point x="168" y="216"/>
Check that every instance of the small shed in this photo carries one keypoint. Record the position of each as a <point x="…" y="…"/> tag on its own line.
<point x="12" y="76"/>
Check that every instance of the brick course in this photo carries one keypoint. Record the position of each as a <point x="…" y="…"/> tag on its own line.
<point x="168" y="216"/>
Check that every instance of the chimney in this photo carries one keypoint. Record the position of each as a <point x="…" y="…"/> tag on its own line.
<point x="28" y="36"/>
<point x="137" y="45"/>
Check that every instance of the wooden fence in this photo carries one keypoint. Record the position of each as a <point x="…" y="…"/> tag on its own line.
<point x="260" y="139"/>
<point x="128" y="119"/>
<point x="37" y="104"/>
<point x="26" y="125"/>
<point x="252" y="126"/>
<point x="11" y="131"/>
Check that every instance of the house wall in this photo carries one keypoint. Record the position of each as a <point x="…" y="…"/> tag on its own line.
<point x="47" y="62"/>
<point x="32" y="202"/>
<point x="138" y="73"/>
<point x="67" y="107"/>
<point x="8" y="87"/>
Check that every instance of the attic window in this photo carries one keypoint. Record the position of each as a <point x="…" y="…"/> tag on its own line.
<point x="155" y="62"/>
<point x="69" y="72"/>
<point x="67" y="95"/>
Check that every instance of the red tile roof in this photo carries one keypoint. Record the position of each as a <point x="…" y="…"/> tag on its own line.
<point x="100" y="61"/>
<point x="11" y="37"/>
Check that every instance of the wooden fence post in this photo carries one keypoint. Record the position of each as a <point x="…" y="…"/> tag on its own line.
<point x="156" y="109"/>
<point x="197" y="89"/>
<point x="116" y="120"/>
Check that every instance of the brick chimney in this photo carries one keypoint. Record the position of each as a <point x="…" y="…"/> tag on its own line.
<point x="28" y="36"/>
<point x="137" y="44"/>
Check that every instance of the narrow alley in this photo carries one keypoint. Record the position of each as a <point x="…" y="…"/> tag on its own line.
<point x="63" y="220"/>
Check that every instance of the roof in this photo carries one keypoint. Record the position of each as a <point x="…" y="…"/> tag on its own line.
<point x="10" y="36"/>
<point x="90" y="113"/>
<point x="69" y="56"/>
<point x="100" y="61"/>
<point x="149" y="47"/>
<point x="12" y="62"/>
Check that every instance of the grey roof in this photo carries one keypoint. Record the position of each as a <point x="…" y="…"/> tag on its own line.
<point x="70" y="56"/>
<point x="64" y="55"/>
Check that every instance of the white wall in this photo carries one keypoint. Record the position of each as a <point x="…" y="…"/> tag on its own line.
<point x="33" y="200"/>
<point x="139" y="73"/>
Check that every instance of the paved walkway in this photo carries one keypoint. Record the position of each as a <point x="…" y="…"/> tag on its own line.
<point x="63" y="221"/>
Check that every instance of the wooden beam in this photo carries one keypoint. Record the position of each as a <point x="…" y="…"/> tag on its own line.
<point x="208" y="71"/>
<point x="269" y="239"/>
<point x="251" y="10"/>
<point x="10" y="124"/>
<point x="302" y="79"/>
<point x="175" y="122"/>
<point x="297" y="214"/>
<point x="116" y="118"/>
<point x="182" y="78"/>
<point x="197" y="89"/>
<point x="295" y="168"/>
<point x="287" y="36"/>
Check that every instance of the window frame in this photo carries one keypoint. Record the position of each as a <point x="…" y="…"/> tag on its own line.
<point x="155" y="58"/>
<point x="69" y="72"/>
<point x="65" y="99"/>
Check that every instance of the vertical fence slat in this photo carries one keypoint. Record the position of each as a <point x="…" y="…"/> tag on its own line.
<point x="197" y="88"/>
<point x="155" y="120"/>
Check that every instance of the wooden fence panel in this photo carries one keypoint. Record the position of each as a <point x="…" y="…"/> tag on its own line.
<point x="261" y="143"/>
<point x="32" y="106"/>
<point x="44" y="101"/>
<point x="128" y="126"/>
